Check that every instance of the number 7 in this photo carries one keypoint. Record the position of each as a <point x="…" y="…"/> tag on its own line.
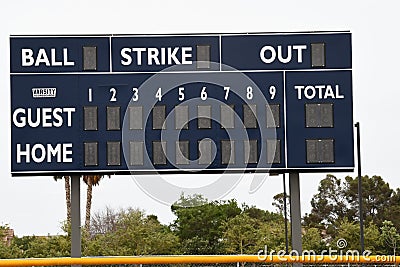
<point x="226" y="88"/>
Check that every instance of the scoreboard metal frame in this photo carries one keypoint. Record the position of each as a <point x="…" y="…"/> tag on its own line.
<point x="253" y="102"/>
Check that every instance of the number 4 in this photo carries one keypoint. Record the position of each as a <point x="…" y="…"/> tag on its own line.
<point x="159" y="94"/>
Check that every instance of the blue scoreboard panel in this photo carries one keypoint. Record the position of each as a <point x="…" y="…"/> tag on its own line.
<point x="174" y="103"/>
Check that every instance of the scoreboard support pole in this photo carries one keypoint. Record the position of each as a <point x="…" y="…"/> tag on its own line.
<point x="76" y="217"/>
<point x="295" y="213"/>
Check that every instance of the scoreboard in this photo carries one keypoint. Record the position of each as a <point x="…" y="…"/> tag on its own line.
<point x="254" y="102"/>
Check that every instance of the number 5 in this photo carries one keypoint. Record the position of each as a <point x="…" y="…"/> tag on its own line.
<point x="181" y="94"/>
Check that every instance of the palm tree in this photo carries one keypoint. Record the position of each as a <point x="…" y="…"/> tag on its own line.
<point x="90" y="181"/>
<point x="67" y="186"/>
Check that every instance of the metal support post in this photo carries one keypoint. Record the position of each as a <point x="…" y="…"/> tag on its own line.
<point x="75" y="217"/>
<point x="295" y="213"/>
<point x="360" y="204"/>
<point x="285" y="214"/>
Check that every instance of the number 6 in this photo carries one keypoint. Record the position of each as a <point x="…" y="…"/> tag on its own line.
<point x="203" y="94"/>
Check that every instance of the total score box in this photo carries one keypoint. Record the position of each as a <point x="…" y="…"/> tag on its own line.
<point x="173" y="103"/>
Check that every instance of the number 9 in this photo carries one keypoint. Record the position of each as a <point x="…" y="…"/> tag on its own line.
<point x="272" y="91"/>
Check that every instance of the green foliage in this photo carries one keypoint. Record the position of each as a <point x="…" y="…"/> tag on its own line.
<point x="372" y="238"/>
<point x="271" y="235"/>
<point x="392" y="210"/>
<point x="279" y="203"/>
<point x="9" y="252"/>
<point x="189" y="201"/>
<point x="200" y="228"/>
<point x="312" y="240"/>
<point x="36" y="247"/>
<point x="348" y="231"/>
<point x="262" y="215"/>
<point x="240" y="235"/>
<point x="390" y="237"/>
<point x="224" y="227"/>
<point x="376" y="196"/>
<point x="133" y="234"/>
<point x="329" y="204"/>
<point x="48" y="246"/>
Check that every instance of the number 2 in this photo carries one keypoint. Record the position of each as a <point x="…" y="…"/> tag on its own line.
<point x="113" y="97"/>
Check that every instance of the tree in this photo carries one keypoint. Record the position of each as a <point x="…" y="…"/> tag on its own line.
<point x="90" y="181"/>
<point x="390" y="237"/>
<point x="103" y="222"/>
<point x="263" y="216"/>
<point x="199" y="228"/>
<point x="329" y="204"/>
<point x="312" y="240"/>
<point x="240" y="234"/>
<point x="67" y="186"/>
<point x="392" y="210"/>
<point x="194" y="200"/>
<point x="48" y="246"/>
<point x="376" y="196"/>
<point x="372" y="239"/>
<point x="271" y="236"/>
<point x="347" y="236"/>
<point x="279" y="203"/>
<point x="134" y="234"/>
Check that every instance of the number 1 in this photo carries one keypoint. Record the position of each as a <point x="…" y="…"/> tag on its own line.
<point x="90" y="97"/>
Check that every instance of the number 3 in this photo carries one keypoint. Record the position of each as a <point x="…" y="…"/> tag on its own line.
<point x="135" y="96"/>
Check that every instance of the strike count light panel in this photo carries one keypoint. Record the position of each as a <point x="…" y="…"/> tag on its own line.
<point x="172" y="103"/>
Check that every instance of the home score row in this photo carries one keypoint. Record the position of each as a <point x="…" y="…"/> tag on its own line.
<point x="172" y="103"/>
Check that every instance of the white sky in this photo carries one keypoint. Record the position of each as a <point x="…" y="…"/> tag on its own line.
<point x="36" y="205"/>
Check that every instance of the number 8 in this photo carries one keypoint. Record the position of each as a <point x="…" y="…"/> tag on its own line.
<point x="249" y="92"/>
